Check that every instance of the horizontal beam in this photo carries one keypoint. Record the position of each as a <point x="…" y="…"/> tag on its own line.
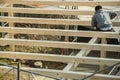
<point x="72" y="75"/>
<point x="58" y="58"/>
<point x="46" y="11"/>
<point x="117" y="29"/>
<point x="64" y="3"/>
<point x="60" y="32"/>
<point x="48" y="21"/>
<point x="45" y="21"/>
<point x="66" y="74"/>
<point x="71" y="66"/>
<point x="3" y="5"/>
<point x="58" y="44"/>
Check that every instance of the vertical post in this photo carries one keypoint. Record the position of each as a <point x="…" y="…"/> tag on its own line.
<point x="67" y="28"/>
<point x="2" y="34"/>
<point x="29" y="76"/>
<point x="76" y="26"/>
<point x="10" y="14"/>
<point x="103" y="53"/>
<point x="119" y="43"/>
<point x="18" y="71"/>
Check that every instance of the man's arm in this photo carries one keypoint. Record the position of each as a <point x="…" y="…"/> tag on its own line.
<point x="93" y="22"/>
<point x="112" y="15"/>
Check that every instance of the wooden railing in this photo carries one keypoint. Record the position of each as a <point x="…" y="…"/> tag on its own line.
<point x="72" y="61"/>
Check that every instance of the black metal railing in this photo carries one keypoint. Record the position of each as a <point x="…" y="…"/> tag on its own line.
<point x="30" y="72"/>
<point x="19" y="70"/>
<point x="89" y="76"/>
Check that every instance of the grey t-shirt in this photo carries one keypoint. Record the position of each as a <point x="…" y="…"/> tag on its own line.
<point x="102" y="20"/>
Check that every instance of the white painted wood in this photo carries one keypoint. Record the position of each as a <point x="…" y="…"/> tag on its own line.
<point x="71" y="66"/>
<point x="46" y="11"/>
<point x="73" y="75"/>
<point x="59" y="32"/>
<point x="86" y="52"/>
<point x="45" y="21"/>
<point x="57" y="44"/>
<point x="67" y="74"/>
<point x="58" y="58"/>
<point x="63" y="3"/>
<point x="67" y="59"/>
<point x="102" y="52"/>
<point x="11" y="24"/>
<point x="48" y="21"/>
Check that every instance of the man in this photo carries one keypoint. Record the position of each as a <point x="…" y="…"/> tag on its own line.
<point x="102" y="21"/>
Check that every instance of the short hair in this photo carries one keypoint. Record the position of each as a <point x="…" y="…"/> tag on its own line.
<point x="98" y="7"/>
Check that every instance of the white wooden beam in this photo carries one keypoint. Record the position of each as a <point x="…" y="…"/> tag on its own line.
<point x="86" y="52"/>
<point x="57" y="44"/>
<point x="11" y="24"/>
<point x="73" y="75"/>
<point x="48" y="21"/>
<point x="66" y="74"/>
<point x="58" y="58"/>
<point x="102" y="52"/>
<point x="44" y="11"/>
<point x="60" y="32"/>
<point x="117" y="29"/>
<point x="82" y="53"/>
<point x="45" y="21"/>
<point x="64" y="3"/>
<point x="3" y="4"/>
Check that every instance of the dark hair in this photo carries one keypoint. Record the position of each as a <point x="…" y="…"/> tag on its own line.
<point x="98" y="7"/>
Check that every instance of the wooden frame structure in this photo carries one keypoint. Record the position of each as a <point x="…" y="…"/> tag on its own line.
<point x="72" y="61"/>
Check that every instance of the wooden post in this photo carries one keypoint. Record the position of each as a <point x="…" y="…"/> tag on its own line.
<point x="67" y="28"/>
<point x="11" y="35"/>
<point x="18" y="71"/>
<point x="103" y="53"/>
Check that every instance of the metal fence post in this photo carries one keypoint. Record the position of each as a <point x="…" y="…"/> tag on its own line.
<point x="18" y="71"/>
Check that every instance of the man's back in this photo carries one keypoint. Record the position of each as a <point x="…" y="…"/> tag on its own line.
<point x="102" y="20"/>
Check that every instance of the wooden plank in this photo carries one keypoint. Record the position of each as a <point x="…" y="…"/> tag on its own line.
<point x="11" y="24"/>
<point x="71" y="66"/>
<point x="117" y="29"/>
<point x="59" y="32"/>
<point x="58" y="44"/>
<point x="86" y="52"/>
<point x="3" y="4"/>
<point x="48" y="21"/>
<point x="46" y="11"/>
<point x="103" y="53"/>
<point x="65" y="74"/>
<point x="45" y="21"/>
<point x="72" y="75"/>
<point x="64" y="3"/>
<point x="58" y="58"/>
